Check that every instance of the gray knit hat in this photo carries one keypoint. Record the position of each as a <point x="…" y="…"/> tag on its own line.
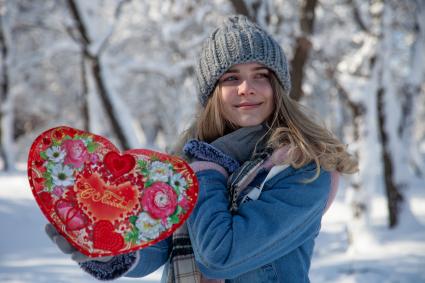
<point x="237" y="41"/>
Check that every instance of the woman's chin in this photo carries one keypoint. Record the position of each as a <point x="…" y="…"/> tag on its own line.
<point x="249" y="122"/>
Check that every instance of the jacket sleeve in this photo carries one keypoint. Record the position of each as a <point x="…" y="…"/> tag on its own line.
<point x="287" y="214"/>
<point x="135" y="264"/>
<point x="151" y="258"/>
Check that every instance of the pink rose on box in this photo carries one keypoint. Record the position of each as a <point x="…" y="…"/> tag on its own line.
<point x="184" y="203"/>
<point x="58" y="191"/>
<point x="159" y="200"/>
<point x="76" y="152"/>
<point x="94" y="158"/>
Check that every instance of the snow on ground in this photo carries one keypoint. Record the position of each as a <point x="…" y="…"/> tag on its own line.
<point x="27" y="255"/>
<point x="380" y="254"/>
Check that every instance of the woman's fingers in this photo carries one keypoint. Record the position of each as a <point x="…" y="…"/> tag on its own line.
<point x="50" y="231"/>
<point x="59" y="240"/>
<point x="67" y="248"/>
<point x="63" y="244"/>
<point x="80" y="258"/>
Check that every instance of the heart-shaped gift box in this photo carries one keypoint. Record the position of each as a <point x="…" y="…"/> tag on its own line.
<point x="105" y="202"/>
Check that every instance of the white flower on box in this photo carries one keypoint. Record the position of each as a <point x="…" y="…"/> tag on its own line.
<point x="62" y="175"/>
<point x="159" y="171"/>
<point x="55" y="154"/>
<point x="178" y="182"/>
<point x="149" y="228"/>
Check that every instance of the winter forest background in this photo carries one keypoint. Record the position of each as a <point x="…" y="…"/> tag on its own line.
<point x="124" y="69"/>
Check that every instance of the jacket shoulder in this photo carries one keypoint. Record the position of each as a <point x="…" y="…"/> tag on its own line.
<point x="298" y="183"/>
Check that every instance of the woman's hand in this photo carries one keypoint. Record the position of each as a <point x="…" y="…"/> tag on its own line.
<point x="66" y="247"/>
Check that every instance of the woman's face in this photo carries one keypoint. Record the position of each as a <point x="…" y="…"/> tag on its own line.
<point x="246" y="94"/>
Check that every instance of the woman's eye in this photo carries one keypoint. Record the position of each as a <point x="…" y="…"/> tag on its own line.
<point x="229" y="79"/>
<point x="262" y="76"/>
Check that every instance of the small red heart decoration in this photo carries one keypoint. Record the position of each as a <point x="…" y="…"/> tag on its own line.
<point x="117" y="164"/>
<point x="105" y="238"/>
<point x="105" y="202"/>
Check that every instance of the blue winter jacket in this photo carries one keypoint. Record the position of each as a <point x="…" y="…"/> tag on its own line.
<point x="267" y="240"/>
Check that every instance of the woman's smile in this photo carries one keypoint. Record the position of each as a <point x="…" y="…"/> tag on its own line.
<point x="248" y="105"/>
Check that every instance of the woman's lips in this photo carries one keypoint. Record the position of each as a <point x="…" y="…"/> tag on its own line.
<point x="247" y="106"/>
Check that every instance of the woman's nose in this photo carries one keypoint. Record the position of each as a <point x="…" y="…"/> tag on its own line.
<point x="245" y="88"/>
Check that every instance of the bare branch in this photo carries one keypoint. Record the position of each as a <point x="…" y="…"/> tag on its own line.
<point x="307" y="16"/>
<point x="79" y="22"/>
<point x="117" y="16"/>
<point x="358" y="16"/>
<point x="4" y="81"/>
<point x="302" y="48"/>
<point x="241" y="7"/>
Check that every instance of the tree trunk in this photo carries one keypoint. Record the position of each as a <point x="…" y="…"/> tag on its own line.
<point x="302" y="48"/>
<point x="256" y="11"/>
<point x="410" y="92"/>
<point x="84" y="99"/>
<point x="394" y="197"/>
<point x="240" y="7"/>
<point x="94" y="63"/>
<point x="6" y="109"/>
<point x="387" y="106"/>
<point x="358" y="110"/>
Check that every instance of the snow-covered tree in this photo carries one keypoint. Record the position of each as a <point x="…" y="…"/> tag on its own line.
<point x="124" y="69"/>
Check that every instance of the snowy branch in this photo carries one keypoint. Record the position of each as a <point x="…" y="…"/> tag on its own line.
<point x="103" y="45"/>
<point x="358" y="16"/>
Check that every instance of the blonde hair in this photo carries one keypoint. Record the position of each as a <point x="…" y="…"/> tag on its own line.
<point x="292" y="125"/>
<point x="209" y="124"/>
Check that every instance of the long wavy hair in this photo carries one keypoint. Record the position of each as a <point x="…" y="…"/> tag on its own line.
<point x="292" y="125"/>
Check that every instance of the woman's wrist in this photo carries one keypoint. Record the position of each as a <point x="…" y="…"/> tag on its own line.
<point x="202" y="151"/>
<point x="207" y="165"/>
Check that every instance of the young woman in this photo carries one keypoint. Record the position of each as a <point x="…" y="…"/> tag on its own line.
<point x="267" y="173"/>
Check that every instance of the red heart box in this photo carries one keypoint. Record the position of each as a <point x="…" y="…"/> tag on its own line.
<point x="104" y="202"/>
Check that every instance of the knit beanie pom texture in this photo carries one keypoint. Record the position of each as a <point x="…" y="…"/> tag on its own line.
<point x="238" y="41"/>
